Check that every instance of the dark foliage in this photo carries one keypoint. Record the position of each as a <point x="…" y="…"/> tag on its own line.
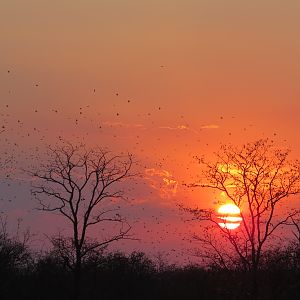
<point x="134" y="276"/>
<point x="15" y="266"/>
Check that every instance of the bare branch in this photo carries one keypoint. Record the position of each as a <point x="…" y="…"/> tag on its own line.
<point x="79" y="184"/>
<point x="257" y="178"/>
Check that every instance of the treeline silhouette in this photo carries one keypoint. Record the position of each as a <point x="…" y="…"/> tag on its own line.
<point x="25" y="274"/>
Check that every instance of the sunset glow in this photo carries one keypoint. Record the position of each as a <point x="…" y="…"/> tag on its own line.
<point x="165" y="81"/>
<point x="147" y="145"/>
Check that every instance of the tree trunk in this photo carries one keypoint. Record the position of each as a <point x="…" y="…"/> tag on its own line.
<point x="254" y="285"/>
<point x="76" y="295"/>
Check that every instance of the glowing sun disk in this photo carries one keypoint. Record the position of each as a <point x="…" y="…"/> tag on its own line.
<point x="231" y="219"/>
<point x="229" y="215"/>
<point x="230" y="209"/>
<point x="230" y="226"/>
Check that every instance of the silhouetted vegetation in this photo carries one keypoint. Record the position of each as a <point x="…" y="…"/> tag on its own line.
<point x="75" y="182"/>
<point x="257" y="178"/>
<point x="28" y="275"/>
<point x="80" y="184"/>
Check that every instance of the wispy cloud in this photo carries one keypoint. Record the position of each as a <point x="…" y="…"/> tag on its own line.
<point x="180" y="127"/>
<point x="162" y="181"/>
<point x="210" y="126"/>
<point x="123" y="125"/>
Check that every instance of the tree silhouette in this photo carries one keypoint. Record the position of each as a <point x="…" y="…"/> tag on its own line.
<point x="80" y="185"/>
<point x="257" y="178"/>
<point x="15" y="257"/>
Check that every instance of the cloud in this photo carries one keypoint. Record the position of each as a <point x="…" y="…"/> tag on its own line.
<point x="187" y="128"/>
<point x="210" y="126"/>
<point x="180" y="127"/>
<point x="123" y="125"/>
<point x="162" y="181"/>
<point x="156" y="172"/>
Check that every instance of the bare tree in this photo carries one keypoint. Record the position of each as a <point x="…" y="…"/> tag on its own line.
<point x="257" y="178"/>
<point x="80" y="185"/>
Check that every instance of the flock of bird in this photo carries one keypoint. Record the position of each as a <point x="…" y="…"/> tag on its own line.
<point x="158" y="224"/>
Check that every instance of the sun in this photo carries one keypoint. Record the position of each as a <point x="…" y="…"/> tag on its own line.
<point x="229" y="209"/>
<point x="229" y="216"/>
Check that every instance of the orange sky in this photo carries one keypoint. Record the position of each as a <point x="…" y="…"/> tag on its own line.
<point x="172" y="79"/>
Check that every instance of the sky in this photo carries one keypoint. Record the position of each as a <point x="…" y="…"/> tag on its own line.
<point x="163" y="80"/>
